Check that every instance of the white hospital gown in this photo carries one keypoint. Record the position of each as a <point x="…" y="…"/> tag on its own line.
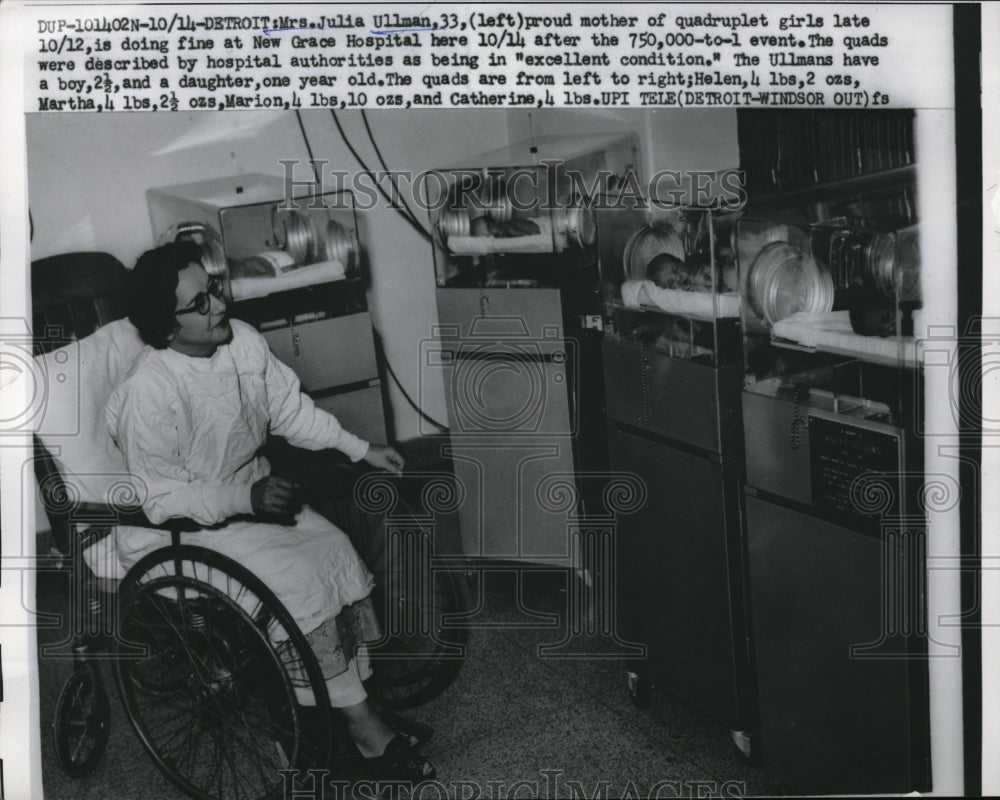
<point x="190" y="430"/>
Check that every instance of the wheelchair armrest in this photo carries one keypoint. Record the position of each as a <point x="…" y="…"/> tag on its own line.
<point x="132" y="515"/>
<point x="64" y="512"/>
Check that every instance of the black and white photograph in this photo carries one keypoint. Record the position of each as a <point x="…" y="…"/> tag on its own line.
<point x="504" y="443"/>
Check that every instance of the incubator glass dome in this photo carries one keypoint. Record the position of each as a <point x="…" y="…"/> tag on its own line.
<point x="525" y="216"/>
<point x="677" y="291"/>
<point x="263" y="242"/>
<point x="828" y="312"/>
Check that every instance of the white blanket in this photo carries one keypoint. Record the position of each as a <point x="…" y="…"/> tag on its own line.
<point x="698" y="304"/>
<point x="832" y="331"/>
<point x="323" y="272"/>
<point x="541" y="242"/>
<point x="79" y="380"/>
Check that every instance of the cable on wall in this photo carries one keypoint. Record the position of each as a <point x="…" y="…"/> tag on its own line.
<point x="381" y="160"/>
<point x="395" y="379"/>
<point x="404" y="213"/>
<point x="312" y="159"/>
<point x="408" y="216"/>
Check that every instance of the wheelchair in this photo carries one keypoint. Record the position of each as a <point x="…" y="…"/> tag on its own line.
<point x="205" y="659"/>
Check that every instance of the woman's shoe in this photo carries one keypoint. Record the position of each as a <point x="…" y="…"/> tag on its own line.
<point x="416" y="733"/>
<point x="398" y="762"/>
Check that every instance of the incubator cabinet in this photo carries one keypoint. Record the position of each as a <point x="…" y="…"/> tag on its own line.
<point x="835" y="520"/>
<point x="520" y="271"/>
<point x="673" y="375"/>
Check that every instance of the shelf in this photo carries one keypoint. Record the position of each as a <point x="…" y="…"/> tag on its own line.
<point x="845" y="187"/>
<point x="822" y="164"/>
<point x="890" y="352"/>
<point x="332" y="299"/>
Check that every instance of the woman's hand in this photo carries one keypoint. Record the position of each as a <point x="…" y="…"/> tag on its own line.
<point x="275" y="497"/>
<point x="384" y="457"/>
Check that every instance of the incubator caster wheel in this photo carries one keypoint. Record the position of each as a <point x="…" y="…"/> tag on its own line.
<point x="82" y="723"/>
<point x="640" y="690"/>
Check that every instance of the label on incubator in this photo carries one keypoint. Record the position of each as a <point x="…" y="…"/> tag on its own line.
<point x="840" y="454"/>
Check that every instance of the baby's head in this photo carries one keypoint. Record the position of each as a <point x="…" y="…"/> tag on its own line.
<point x="728" y="279"/>
<point x="669" y="272"/>
<point x="666" y="271"/>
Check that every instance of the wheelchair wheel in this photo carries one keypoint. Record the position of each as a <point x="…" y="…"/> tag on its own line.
<point x="212" y="697"/>
<point x="421" y="653"/>
<point x="82" y="722"/>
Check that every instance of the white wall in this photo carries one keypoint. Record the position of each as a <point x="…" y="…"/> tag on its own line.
<point x="672" y="139"/>
<point x="88" y="174"/>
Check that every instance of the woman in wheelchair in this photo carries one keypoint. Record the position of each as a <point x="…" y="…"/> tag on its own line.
<point x="190" y="420"/>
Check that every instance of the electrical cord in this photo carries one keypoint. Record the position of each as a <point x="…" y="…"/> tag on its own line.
<point x="408" y="216"/>
<point x="305" y="138"/>
<point x="381" y="160"/>
<point x="395" y="379"/>
<point x="414" y="223"/>
<point x="378" y="340"/>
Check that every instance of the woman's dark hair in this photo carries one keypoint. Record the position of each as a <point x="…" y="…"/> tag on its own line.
<point x="151" y="291"/>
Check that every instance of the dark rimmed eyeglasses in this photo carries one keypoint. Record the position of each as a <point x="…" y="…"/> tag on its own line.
<point x="202" y="302"/>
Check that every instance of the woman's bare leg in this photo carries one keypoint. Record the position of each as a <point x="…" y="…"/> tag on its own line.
<point x="367" y="728"/>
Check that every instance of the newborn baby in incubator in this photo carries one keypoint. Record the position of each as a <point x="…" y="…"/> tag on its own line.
<point x="516" y="226"/>
<point x="669" y="272"/>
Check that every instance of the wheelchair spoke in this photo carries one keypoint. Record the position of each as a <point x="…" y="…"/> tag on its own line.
<point x="236" y="597"/>
<point x="236" y="729"/>
<point x="236" y="735"/>
<point x="192" y="739"/>
<point x="173" y="732"/>
<point x="214" y="773"/>
<point x="230" y="742"/>
<point x="293" y="664"/>
<point x="240" y="779"/>
<point x="179" y="631"/>
<point x="233" y="771"/>
<point x="213" y="700"/>
<point x="254" y="754"/>
<point x="161" y="700"/>
<point x="170" y="745"/>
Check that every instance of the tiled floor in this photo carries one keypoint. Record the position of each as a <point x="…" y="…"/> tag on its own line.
<point x="512" y="724"/>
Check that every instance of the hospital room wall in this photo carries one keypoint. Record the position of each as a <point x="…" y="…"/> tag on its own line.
<point x="672" y="139"/>
<point x="88" y="174"/>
